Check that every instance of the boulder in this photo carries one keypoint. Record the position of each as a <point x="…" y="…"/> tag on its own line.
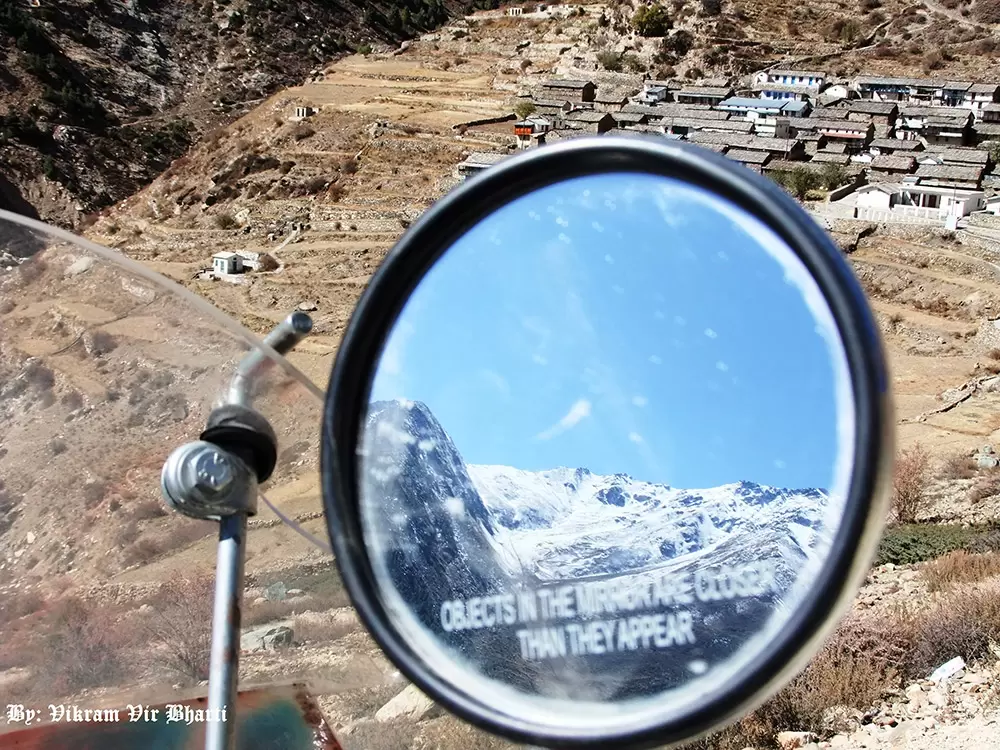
<point x="409" y="704"/>
<point x="794" y="740"/>
<point x="80" y="265"/>
<point x="268" y="637"/>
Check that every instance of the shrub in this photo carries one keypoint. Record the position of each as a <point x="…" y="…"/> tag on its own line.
<point x="711" y="7"/>
<point x="909" y="484"/>
<point x="225" y="221"/>
<point x="913" y="543"/>
<point x="145" y="510"/>
<point x="987" y="11"/>
<point x="268" y="610"/>
<point x="182" y="626"/>
<point x="651" y="20"/>
<point x="964" y="624"/>
<point x="610" y="60"/>
<point x="349" y="166"/>
<point x="960" y="567"/>
<point x="958" y="466"/>
<point x="323" y="629"/>
<point x="302" y="131"/>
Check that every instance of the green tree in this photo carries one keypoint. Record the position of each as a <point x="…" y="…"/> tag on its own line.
<point x="523" y="109"/>
<point x="49" y="168"/>
<point x="801" y="180"/>
<point x="833" y="176"/>
<point x="995" y="152"/>
<point x="651" y="20"/>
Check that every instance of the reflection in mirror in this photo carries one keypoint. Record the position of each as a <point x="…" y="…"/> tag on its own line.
<point x="607" y="450"/>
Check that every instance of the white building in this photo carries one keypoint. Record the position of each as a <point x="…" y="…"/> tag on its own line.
<point x="907" y="201"/>
<point x="227" y="263"/>
<point x="303" y="112"/>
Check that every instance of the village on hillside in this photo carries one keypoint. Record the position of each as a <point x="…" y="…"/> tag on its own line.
<point x="875" y="148"/>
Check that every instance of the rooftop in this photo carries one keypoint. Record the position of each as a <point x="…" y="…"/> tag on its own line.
<point x="784" y="87"/>
<point x="484" y="158"/>
<point x="969" y="156"/>
<point x="611" y="96"/>
<point x="893" y="163"/>
<point x="586" y="115"/>
<point x="748" y="157"/>
<point x="901" y="82"/>
<point x="798" y="73"/>
<point x="827" y="157"/>
<point x="984" y="88"/>
<point x="946" y="112"/>
<point x="860" y="127"/>
<point x="557" y="83"/>
<point x="949" y="172"/>
<point x="707" y="91"/>
<point x="895" y="144"/>
<point x="872" y="108"/>
<point x="676" y="110"/>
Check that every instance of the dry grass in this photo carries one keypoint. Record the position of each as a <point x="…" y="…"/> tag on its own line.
<point x="909" y="484"/>
<point x="181" y="624"/>
<point x="323" y="630"/>
<point x="958" y="466"/>
<point x="960" y="567"/>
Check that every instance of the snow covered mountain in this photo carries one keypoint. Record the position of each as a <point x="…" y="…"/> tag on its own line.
<point x="566" y="523"/>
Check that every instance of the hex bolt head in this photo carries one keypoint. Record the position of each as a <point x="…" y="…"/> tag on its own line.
<point x="213" y="472"/>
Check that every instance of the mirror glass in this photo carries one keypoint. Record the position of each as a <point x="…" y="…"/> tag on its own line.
<point x="607" y="449"/>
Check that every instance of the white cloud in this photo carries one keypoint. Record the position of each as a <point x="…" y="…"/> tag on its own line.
<point x="391" y="361"/>
<point x="639" y="401"/>
<point x="538" y="359"/>
<point x="618" y="289"/>
<point x="635" y="437"/>
<point x="576" y="414"/>
<point x="659" y="315"/>
<point x="607" y="258"/>
<point x="679" y="320"/>
<point x="656" y="360"/>
<point x="497" y="381"/>
<point x="711" y="334"/>
<point x="779" y="464"/>
<point x="598" y="228"/>
<point x="721" y="366"/>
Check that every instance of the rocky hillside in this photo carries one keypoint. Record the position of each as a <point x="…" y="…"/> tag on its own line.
<point x="90" y="112"/>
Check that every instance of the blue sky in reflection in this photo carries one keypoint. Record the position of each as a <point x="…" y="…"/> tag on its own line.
<point x="621" y="323"/>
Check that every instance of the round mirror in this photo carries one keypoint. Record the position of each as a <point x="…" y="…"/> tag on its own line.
<point x="614" y="452"/>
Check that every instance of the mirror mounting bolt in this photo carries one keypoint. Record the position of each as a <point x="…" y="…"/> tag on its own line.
<point x="203" y="481"/>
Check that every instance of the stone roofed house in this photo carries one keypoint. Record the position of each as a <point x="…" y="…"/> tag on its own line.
<point x="789" y="84"/>
<point x="785" y="148"/>
<point x="596" y="122"/>
<point x="477" y="161"/>
<point x="551" y="106"/>
<point x="880" y="113"/>
<point x="562" y="134"/>
<point x="830" y="113"/>
<point x="888" y="89"/>
<point x="610" y="100"/>
<point x="709" y="95"/>
<point x="660" y="111"/>
<point x="948" y="175"/>
<point x="855" y="135"/>
<point x="952" y="93"/>
<point x="748" y="105"/>
<point x="969" y="156"/>
<point x="583" y="91"/>
<point x="685" y="125"/>
<point x="894" y="145"/>
<point x="755" y="160"/>
<point x="982" y="95"/>
<point x="828" y="157"/>
<point x="937" y="125"/>
<point x="835" y="148"/>
<point x="892" y="166"/>
<point x="990" y="112"/>
<point x="627" y="119"/>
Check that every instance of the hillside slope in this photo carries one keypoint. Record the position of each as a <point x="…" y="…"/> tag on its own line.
<point x="91" y="112"/>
